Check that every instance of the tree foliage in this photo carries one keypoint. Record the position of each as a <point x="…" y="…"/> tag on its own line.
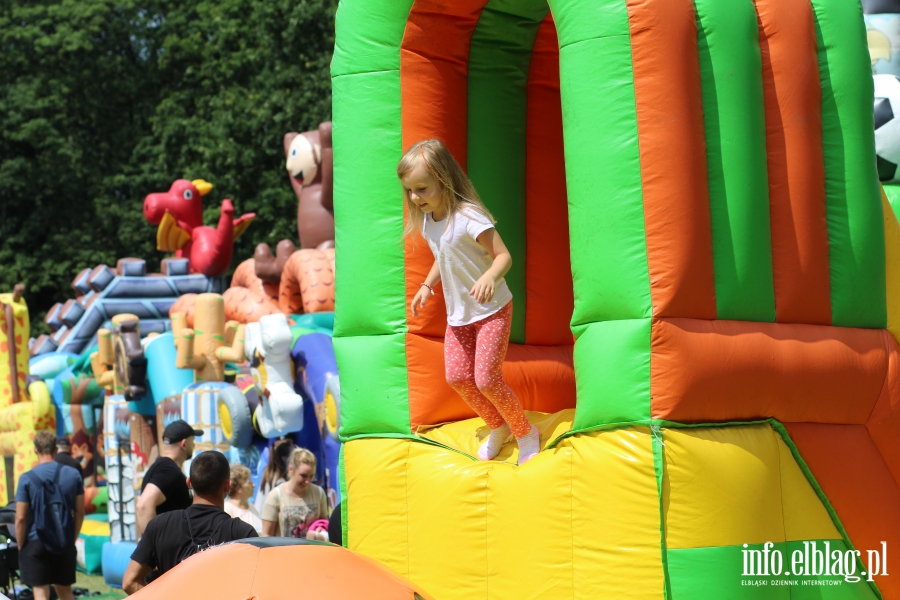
<point x="105" y="101"/>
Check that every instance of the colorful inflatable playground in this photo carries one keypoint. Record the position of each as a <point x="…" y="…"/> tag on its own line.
<point x="700" y="197"/>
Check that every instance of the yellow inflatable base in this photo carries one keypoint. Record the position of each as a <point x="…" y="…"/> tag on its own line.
<point x="18" y="344"/>
<point x="18" y="424"/>
<point x="586" y="519"/>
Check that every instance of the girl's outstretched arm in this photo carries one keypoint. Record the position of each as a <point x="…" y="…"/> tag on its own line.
<point x="483" y="290"/>
<point x="421" y="297"/>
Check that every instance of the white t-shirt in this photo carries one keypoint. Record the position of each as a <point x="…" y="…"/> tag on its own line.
<point x="462" y="261"/>
<point x="247" y="515"/>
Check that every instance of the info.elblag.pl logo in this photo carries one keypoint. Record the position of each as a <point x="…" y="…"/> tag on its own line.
<point x="816" y="563"/>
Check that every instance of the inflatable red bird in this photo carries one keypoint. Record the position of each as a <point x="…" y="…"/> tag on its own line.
<point x="179" y="214"/>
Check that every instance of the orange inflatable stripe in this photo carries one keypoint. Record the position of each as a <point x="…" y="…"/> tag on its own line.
<point x="434" y="88"/>
<point x="884" y="422"/>
<point x="793" y="104"/>
<point x="703" y="371"/>
<point x="857" y="482"/>
<point x="548" y="274"/>
<point x="542" y="376"/>
<point x="671" y="136"/>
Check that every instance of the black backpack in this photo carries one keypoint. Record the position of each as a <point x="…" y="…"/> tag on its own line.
<point x="52" y="517"/>
<point x="196" y="548"/>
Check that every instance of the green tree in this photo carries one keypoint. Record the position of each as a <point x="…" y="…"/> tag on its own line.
<point x="103" y="102"/>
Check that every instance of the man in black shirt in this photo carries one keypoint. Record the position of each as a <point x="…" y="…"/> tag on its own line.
<point x="175" y="535"/>
<point x="164" y="488"/>
<point x="64" y="455"/>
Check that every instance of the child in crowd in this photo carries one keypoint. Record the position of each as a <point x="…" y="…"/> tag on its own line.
<point x="470" y="260"/>
<point x="237" y="504"/>
<point x="292" y="507"/>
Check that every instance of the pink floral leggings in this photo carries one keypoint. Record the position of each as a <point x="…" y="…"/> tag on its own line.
<point x="473" y="360"/>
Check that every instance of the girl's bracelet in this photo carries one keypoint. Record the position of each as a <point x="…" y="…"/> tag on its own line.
<point x="430" y="289"/>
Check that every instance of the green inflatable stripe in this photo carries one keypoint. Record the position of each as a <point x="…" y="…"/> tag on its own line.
<point x="893" y="195"/>
<point x="853" y="199"/>
<point x="370" y="322"/>
<point x="717" y="572"/>
<point x="378" y="49"/>
<point x="374" y="385"/>
<point x="603" y="171"/>
<point x="612" y="373"/>
<point x="367" y="145"/>
<point x="499" y="60"/>
<point x="733" y="113"/>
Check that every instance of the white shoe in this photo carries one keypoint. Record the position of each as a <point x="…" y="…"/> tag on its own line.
<point x="529" y="445"/>
<point x="494" y="443"/>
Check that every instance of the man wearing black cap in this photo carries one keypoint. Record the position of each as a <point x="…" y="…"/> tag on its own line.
<point x="164" y="488"/>
<point x="64" y="455"/>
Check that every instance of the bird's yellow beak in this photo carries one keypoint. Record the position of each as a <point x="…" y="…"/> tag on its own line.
<point x="202" y="186"/>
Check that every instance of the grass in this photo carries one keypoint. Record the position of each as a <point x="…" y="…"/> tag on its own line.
<point x="95" y="583"/>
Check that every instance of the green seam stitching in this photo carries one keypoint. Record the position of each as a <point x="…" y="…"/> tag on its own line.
<point x="658" y="468"/>
<point x="785" y="436"/>
<point x="344" y="500"/>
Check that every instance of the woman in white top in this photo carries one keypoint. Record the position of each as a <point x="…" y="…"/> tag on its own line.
<point x="470" y="260"/>
<point x="237" y="504"/>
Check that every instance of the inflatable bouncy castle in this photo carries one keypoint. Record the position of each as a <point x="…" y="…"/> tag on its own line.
<point x="688" y="189"/>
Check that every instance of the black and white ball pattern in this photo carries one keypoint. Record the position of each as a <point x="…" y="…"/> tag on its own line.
<point x="887" y="126"/>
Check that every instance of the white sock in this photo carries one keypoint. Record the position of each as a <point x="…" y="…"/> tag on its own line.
<point x="494" y="443"/>
<point x="529" y="445"/>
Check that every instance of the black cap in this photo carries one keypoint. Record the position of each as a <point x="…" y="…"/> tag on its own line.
<point x="179" y="430"/>
<point x="63" y="441"/>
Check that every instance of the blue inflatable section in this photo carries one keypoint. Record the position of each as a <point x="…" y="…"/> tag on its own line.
<point x="165" y="380"/>
<point x="313" y="355"/>
<point x="48" y="366"/>
<point x="316" y="350"/>
<point x="107" y="293"/>
<point x="116" y="557"/>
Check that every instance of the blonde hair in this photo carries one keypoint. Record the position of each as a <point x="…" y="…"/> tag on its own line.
<point x="457" y="191"/>
<point x="240" y="475"/>
<point x="302" y="456"/>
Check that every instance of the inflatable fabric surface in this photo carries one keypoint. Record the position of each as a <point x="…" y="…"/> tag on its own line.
<point x="104" y="293"/>
<point x="18" y="424"/>
<point x="265" y="568"/>
<point x="13" y="348"/>
<point x="90" y="546"/>
<point x="115" y="558"/>
<point x="165" y="379"/>
<point x="634" y="502"/>
<point x="119" y="468"/>
<point x="688" y="189"/>
<point x="199" y="407"/>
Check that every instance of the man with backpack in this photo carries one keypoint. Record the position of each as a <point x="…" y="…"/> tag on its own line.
<point x="176" y="535"/>
<point x="49" y="514"/>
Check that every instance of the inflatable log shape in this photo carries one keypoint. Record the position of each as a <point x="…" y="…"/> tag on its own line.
<point x="307" y="283"/>
<point x="212" y="344"/>
<point x="245" y="305"/>
<point x="103" y="361"/>
<point x="245" y="276"/>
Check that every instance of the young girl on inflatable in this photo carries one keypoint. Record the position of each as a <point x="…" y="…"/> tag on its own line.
<point x="471" y="260"/>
